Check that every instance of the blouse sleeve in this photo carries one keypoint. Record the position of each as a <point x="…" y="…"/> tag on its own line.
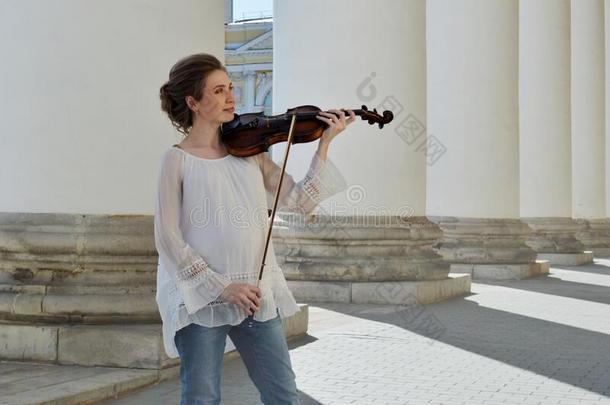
<point x="195" y="280"/>
<point x="322" y="180"/>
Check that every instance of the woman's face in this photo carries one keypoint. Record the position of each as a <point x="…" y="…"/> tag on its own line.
<point x="217" y="104"/>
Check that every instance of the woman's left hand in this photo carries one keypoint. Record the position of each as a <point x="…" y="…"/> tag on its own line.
<point x="336" y="123"/>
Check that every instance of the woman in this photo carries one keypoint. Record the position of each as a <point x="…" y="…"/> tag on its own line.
<point x="208" y="264"/>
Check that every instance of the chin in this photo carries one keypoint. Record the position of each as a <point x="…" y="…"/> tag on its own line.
<point x="227" y="116"/>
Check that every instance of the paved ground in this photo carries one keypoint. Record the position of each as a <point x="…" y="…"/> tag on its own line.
<point x="538" y="341"/>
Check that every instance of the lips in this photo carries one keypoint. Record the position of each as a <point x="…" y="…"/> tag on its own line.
<point x="232" y="109"/>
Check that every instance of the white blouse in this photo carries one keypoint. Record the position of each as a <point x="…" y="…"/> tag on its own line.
<point x="210" y="229"/>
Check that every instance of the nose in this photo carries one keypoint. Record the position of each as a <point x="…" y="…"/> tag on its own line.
<point x="231" y="97"/>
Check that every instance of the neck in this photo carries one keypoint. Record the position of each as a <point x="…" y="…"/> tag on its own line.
<point x="205" y="134"/>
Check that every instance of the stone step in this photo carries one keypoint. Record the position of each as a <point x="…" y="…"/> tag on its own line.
<point x="33" y="384"/>
<point x="77" y="289"/>
<point x="385" y="292"/>
<point x="502" y="271"/>
<point x="130" y="345"/>
<point x="29" y="304"/>
<point x="567" y="259"/>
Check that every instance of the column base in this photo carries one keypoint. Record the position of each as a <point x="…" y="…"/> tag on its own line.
<point x="603" y="253"/>
<point x="387" y="292"/>
<point x="357" y="248"/>
<point x="364" y="259"/>
<point x="502" y="271"/>
<point x="595" y="235"/>
<point x="567" y="259"/>
<point x="488" y="248"/>
<point x="551" y="235"/>
<point x="78" y="305"/>
<point x="71" y="268"/>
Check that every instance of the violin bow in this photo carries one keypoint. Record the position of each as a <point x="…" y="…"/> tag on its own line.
<point x="277" y="195"/>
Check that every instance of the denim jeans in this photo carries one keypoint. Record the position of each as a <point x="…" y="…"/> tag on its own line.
<point x="262" y="347"/>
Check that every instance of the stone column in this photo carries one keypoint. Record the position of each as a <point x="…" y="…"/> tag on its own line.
<point x="545" y="132"/>
<point x="473" y="190"/>
<point x="77" y="256"/>
<point x="249" y="86"/>
<point x="228" y="11"/>
<point x="603" y="250"/>
<point x="588" y="125"/>
<point x="374" y="237"/>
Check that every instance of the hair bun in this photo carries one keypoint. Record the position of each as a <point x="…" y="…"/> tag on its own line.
<point x="163" y="91"/>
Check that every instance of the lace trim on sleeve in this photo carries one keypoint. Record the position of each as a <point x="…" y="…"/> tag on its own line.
<point x="195" y="273"/>
<point x="322" y="180"/>
<point x="199" y="285"/>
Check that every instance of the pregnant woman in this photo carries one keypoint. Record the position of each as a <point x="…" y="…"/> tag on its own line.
<point x="209" y="260"/>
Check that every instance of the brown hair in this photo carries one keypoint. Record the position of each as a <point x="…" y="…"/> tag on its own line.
<point x="186" y="78"/>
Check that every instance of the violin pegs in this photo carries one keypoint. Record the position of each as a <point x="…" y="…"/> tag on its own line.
<point x="364" y="108"/>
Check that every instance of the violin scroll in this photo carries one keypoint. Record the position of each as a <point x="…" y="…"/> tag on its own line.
<point x="373" y="117"/>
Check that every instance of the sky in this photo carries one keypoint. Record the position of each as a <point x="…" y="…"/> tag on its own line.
<point x="250" y="7"/>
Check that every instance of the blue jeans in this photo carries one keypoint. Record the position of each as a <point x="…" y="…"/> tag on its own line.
<point x="262" y="347"/>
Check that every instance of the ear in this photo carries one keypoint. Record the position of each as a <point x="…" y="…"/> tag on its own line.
<point x="190" y="103"/>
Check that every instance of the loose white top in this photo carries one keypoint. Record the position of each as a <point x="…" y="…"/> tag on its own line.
<point x="210" y="228"/>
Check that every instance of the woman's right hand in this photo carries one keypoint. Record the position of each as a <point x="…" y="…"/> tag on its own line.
<point x="243" y="294"/>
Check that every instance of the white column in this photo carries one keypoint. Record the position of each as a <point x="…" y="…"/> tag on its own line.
<point x="228" y="11"/>
<point x="589" y="153"/>
<point x="358" y="54"/>
<point x="84" y="109"/>
<point x="588" y="109"/>
<point x="607" y="171"/>
<point x="472" y="108"/>
<point x="545" y="131"/>
<point x="473" y="190"/>
<point x="544" y="109"/>
<point x="249" y="86"/>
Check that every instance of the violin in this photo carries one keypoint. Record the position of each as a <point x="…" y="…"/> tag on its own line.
<point x="253" y="133"/>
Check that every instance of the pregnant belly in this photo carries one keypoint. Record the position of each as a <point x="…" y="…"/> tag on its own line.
<point x="229" y="249"/>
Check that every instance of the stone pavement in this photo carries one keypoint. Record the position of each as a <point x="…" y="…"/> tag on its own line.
<point x="538" y="341"/>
